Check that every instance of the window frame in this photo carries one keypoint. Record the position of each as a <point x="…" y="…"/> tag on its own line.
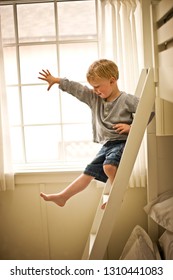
<point x="17" y="44"/>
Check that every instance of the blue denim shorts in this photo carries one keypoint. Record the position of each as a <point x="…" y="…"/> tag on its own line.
<point x="110" y="153"/>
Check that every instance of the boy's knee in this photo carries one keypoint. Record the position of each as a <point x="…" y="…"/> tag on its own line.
<point x="109" y="169"/>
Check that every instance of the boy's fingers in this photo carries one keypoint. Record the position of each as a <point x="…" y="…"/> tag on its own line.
<point x="41" y="78"/>
<point x="44" y="71"/>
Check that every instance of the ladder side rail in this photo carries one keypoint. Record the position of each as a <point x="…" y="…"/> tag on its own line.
<point x="99" y="212"/>
<point x="86" y="251"/>
<point x="120" y="183"/>
<point x="141" y="82"/>
<point x="96" y="221"/>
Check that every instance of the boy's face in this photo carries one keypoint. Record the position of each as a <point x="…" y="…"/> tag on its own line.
<point x="103" y="87"/>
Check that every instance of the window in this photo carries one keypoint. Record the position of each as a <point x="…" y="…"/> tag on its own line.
<point x="48" y="128"/>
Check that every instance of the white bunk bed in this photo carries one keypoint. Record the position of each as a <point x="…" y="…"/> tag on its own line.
<point x="156" y="87"/>
<point x="157" y="242"/>
<point x="140" y="245"/>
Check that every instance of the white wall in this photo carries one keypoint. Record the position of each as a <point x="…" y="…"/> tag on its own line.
<point x="34" y="229"/>
<point x="132" y="214"/>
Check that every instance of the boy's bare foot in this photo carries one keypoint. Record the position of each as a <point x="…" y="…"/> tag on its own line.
<point x="56" y="198"/>
<point x="103" y="206"/>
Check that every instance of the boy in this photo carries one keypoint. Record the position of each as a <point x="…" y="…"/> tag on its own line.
<point x="112" y="114"/>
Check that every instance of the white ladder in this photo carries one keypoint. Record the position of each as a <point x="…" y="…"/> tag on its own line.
<point x="104" y="220"/>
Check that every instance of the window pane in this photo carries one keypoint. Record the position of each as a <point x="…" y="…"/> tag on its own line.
<point x="42" y="143"/>
<point x="14" y="106"/>
<point x="76" y="19"/>
<point x="35" y="58"/>
<point x="76" y="58"/>
<point x="10" y="64"/>
<point x="48" y="126"/>
<point x="36" y="22"/>
<point x="77" y="142"/>
<point x="7" y="24"/>
<point x="74" y="110"/>
<point x="39" y="106"/>
<point x="77" y="132"/>
<point x="17" y="145"/>
<point x="80" y="151"/>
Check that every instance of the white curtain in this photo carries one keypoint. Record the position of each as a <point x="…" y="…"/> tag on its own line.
<point x="120" y="34"/>
<point x="6" y="170"/>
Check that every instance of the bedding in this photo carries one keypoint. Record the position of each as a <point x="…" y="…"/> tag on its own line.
<point x="166" y="245"/>
<point x="139" y="246"/>
<point x="161" y="210"/>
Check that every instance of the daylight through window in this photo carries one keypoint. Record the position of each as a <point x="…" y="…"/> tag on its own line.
<point x="48" y="128"/>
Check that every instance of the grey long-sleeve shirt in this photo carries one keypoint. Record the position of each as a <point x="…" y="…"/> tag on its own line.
<point x="104" y="114"/>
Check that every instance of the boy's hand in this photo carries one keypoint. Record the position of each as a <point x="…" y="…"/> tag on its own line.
<point x="121" y="128"/>
<point x="46" y="76"/>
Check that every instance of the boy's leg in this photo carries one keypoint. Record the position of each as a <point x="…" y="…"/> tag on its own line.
<point x="75" y="187"/>
<point x="110" y="171"/>
<point x="112" y="161"/>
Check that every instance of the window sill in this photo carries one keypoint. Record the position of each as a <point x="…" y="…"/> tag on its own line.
<point x="45" y="177"/>
<point x="50" y="174"/>
<point x="31" y="174"/>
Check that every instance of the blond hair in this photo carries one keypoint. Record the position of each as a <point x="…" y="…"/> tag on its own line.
<point x="102" y="68"/>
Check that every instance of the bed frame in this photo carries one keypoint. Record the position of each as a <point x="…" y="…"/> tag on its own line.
<point x="160" y="133"/>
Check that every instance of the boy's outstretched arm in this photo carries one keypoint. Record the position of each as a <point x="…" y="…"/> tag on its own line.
<point x="47" y="76"/>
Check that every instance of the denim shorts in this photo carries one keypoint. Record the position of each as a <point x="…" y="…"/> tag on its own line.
<point x="110" y="153"/>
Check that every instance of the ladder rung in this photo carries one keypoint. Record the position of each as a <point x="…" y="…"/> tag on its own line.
<point x="92" y="239"/>
<point x="105" y="198"/>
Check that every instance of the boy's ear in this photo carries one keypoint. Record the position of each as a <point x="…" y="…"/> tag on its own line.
<point x="112" y="80"/>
